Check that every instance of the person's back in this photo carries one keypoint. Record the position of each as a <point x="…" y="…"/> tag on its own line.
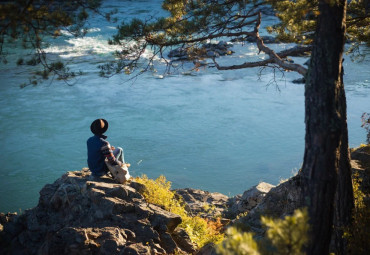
<point x="98" y="149"/>
<point x="95" y="157"/>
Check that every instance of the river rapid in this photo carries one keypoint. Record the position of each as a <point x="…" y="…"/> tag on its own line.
<point x="221" y="131"/>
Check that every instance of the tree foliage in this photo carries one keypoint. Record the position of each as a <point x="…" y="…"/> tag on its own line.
<point x="286" y="237"/>
<point x="191" y="23"/>
<point x="238" y="243"/>
<point x="290" y="234"/>
<point x="30" y="23"/>
<point x="298" y="20"/>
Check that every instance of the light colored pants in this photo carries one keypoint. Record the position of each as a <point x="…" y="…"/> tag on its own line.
<point x="118" y="154"/>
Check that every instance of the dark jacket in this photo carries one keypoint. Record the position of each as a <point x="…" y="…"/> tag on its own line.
<point x="98" y="149"/>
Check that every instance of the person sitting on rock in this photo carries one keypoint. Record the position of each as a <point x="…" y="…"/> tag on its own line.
<point x="99" y="149"/>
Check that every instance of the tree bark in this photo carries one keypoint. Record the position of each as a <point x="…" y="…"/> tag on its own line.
<point x="324" y="118"/>
<point x="344" y="200"/>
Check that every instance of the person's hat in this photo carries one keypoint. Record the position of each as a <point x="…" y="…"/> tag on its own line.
<point x="99" y="126"/>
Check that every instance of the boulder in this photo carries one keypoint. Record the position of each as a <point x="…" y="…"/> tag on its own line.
<point x="362" y="154"/>
<point x="265" y="39"/>
<point x="278" y="202"/>
<point x="164" y="218"/>
<point x="82" y="214"/>
<point x="205" y="203"/>
<point x="168" y="243"/>
<point x="207" y="50"/>
<point x="183" y="241"/>
<point x="361" y="166"/>
<point x="244" y="203"/>
<point x="178" y="53"/>
<point x="252" y="197"/>
<point x="136" y="249"/>
<point x="217" y="49"/>
<point x="208" y="249"/>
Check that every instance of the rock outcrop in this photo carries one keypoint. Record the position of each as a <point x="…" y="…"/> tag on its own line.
<point x="210" y="205"/>
<point x="81" y="214"/>
<point x="266" y="39"/>
<point x="280" y="201"/>
<point x="204" y="203"/>
<point x="283" y="199"/>
<point x="249" y="200"/>
<point x="361" y="166"/>
<point x="207" y="50"/>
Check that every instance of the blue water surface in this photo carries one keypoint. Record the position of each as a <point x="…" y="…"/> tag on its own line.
<point x="221" y="131"/>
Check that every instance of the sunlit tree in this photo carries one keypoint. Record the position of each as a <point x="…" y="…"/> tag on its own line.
<point x="321" y="24"/>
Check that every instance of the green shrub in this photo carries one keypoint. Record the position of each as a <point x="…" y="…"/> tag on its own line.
<point x="238" y="243"/>
<point x="290" y="234"/>
<point x="287" y="236"/>
<point x="200" y="230"/>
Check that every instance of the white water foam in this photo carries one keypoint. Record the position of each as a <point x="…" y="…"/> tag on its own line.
<point x="78" y="47"/>
<point x="87" y="46"/>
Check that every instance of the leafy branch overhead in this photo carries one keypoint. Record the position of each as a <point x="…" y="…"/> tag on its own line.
<point x="193" y="23"/>
<point x="30" y="23"/>
<point x="298" y="20"/>
<point x="189" y="29"/>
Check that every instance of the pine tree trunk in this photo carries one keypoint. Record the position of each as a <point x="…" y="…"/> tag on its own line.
<point x="324" y="123"/>
<point x="344" y="201"/>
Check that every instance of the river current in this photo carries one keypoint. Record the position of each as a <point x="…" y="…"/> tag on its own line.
<point x="221" y="131"/>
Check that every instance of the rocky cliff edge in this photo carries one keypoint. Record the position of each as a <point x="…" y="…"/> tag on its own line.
<point x="82" y="214"/>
